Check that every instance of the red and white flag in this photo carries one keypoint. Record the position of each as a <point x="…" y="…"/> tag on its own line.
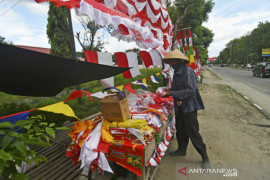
<point x="128" y="59"/>
<point x="68" y="3"/>
<point x="151" y="58"/>
<point x="101" y="58"/>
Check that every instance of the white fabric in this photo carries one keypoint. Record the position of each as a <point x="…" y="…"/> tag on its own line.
<point x="136" y="132"/>
<point x="100" y="94"/>
<point x="103" y="163"/>
<point x="133" y="62"/>
<point x="106" y="59"/>
<point x="104" y="18"/>
<point x="155" y="58"/>
<point x="153" y="79"/>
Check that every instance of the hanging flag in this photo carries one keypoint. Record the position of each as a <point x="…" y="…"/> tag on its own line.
<point x="129" y="88"/>
<point x="59" y="108"/>
<point x="180" y="42"/>
<point x="190" y="53"/>
<point x="143" y="85"/>
<point x="101" y="58"/>
<point x="156" y="78"/>
<point x="128" y="59"/>
<point x="153" y="79"/>
<point x="151" y="58"/>
<point x="16" y="117"/>
<point x="120" y="87"/>
<point x="185" y="43"/>
<point x="68" y="3"/>
<point x="77" y="94"/>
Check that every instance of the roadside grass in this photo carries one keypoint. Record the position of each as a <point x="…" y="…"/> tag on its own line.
<point x="11" y="104"/>
<point x="231" y="94"/>
<point x="213" y="74"/>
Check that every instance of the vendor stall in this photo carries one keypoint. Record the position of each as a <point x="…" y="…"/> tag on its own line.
<point x="135" y="140"/>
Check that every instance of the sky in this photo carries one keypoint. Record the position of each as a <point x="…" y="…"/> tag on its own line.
<point x="25" y="23"/>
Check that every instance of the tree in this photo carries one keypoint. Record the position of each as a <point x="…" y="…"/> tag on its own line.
<point x="89" y="41"/>
<point x="2" y="41"/>
<point x="192" y="13"/>
<point x="248" y="48"/>
<point x="58" y="31"/>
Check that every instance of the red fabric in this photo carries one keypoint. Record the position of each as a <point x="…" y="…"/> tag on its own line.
<point x="120" y="6"/>
<point x="122" y="61"/>
<point x="129" y="88"/>
<point x="123" y="29"/>
<point x="178" y="35"/>
<point x="69" y="4"/>
<point x="91" y="56"/>
<point x="147" y="59"/>
<point x="189" y="32"/>
<point x="127" y="154"/>
<point x="103" y="146"/>
<point x="78" y="93"/>
<point x="166" y="43"/>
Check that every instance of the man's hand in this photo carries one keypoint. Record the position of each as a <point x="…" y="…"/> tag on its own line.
<point x="167" y="94"/>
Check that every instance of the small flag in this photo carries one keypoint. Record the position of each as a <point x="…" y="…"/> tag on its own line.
<point x="128" y="59"/>
<point x="101" y="58"/>
<point x="59" y="108"/>
<point x="151" y="58"/>
<point x="129" y="89"/>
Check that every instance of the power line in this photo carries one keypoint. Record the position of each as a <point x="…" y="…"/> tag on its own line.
<point x="10" y="7"/>
<point x="1" y="1"/>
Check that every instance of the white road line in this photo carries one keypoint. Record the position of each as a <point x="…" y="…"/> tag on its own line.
<point x="246" y="97"/>
<point x="257" y="106"/>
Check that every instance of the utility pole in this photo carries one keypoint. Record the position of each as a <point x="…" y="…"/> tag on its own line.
<point x="73" y="50"/>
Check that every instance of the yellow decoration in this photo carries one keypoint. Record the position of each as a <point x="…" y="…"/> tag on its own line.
<point x="130" y="123"/>
<point x="120" y="87"/>
<point x="144" y="82"/>
<point x="105" y="134"/>
<point x="59" y="108"/>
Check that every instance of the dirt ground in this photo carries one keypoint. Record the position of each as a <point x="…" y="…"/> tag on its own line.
<point x="236" y="134"/>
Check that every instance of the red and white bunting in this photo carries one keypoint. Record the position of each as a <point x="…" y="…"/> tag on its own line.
<point x="151" y="58"/>
<point x="101" y="58"/>
<point x="128" y="59"/>
<point x="68" y="3"/>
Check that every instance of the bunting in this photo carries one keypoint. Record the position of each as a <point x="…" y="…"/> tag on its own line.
<point x="101" y="58"/>
<point x="68" y="3"/>
<point x="151" y="58"/>
<point x="128" y="59"/>
<point x="129" y="89"/>
<point x="60" y="108"/>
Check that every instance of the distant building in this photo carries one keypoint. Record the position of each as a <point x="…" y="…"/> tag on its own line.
<point x="38" y="49"/>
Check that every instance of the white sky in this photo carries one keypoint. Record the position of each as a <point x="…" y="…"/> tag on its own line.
<point x="25" y="24"/>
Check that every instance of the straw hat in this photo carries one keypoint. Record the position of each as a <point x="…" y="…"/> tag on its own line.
<point x="176" y="54"/>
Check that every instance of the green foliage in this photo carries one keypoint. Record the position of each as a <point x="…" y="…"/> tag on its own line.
<point x="14" y="144"/>
<point x="58" y="31"/>
<point x="3" y="41"/>
<point x="248" y="48"/>
<point x="12" y="108"/>
<point x="197" y="13"/>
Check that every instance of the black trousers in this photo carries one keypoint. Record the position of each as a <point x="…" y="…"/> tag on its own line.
<point x="187" y="127"/>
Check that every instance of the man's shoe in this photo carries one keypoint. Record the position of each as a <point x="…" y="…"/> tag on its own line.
<point x="178" y="153"/>
<point x="206" y="163"/>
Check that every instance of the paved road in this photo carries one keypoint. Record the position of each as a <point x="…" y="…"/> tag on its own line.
<point x="255" y="88"/>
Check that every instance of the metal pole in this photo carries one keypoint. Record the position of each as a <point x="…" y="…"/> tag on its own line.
<point x="231" y="54"/>
<point x="73" y="50"/>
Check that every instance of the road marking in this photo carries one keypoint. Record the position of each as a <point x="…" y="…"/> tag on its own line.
<point x="258" y="106"/>
<point x="246" y="97"/>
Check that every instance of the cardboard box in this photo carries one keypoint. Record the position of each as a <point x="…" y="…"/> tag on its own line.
<point x="115" y="108"/>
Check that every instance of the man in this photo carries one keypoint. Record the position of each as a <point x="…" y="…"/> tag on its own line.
<point x="187" y="101"/>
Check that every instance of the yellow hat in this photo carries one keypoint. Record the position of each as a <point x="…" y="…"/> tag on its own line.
<point x="176" y="54"/>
